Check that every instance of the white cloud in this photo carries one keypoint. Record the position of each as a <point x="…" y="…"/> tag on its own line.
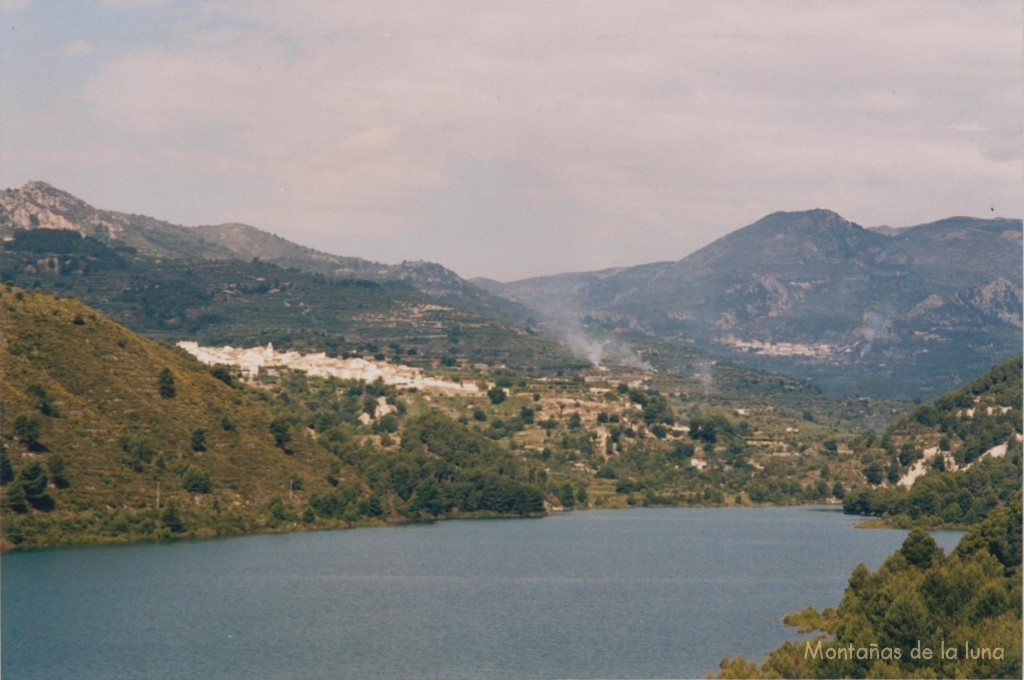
<point x="447" y="126"/>
<point x="78" y="48"/>
<point x="968" y="127"/>
<point x="14" y="6"/>
<point x="133" y="4"/>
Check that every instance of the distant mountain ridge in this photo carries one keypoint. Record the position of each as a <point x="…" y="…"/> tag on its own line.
<point x="234" y="283"/>
<point x="40" y="205"/>
<point x="909" y="312"/>
<point x="814" y="295"/>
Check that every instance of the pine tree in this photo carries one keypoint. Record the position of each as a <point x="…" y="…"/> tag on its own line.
<point x="6" y="470"/>
<point x="165" y="383"/>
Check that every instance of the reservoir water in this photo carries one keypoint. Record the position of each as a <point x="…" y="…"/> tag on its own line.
<point x="645" y="593"/>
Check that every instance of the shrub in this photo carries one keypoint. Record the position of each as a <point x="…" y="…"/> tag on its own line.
<point x="196" y="481"/>
<point x="165" y="384"/>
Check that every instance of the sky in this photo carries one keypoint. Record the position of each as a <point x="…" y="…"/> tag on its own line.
<point x="516" y="139"/>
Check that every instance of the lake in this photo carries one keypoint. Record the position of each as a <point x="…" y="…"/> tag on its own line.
<point x="643" y="593"/>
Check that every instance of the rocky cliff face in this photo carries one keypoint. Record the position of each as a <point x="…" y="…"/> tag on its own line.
<point x="39" y="205"/>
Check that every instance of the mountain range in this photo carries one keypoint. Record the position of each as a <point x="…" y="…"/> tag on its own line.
<point x="235" y="284"/>
<point x="904" y="313"/>
<point x="40" y="205"/>
<point x="814" y="295"/>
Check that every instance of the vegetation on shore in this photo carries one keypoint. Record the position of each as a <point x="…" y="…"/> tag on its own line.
<point x="921" y="614"/>
<point x="967" y="444"/>
<point x="107" y="437"/>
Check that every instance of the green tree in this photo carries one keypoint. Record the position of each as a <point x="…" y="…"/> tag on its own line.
<point x="567" y="495"/>
<point x="27" y="429"/>
<point x="656" y="409"/>
<point x="920" y="549"/>
<point x="198" y="440"/>
<point x="873" y="473"/>
<point x="6" y="469"/>
<point x="16" y="499"/>
<point x="496" y="395"/>
<point x="33" y="480"/>
<point x="56" y="466"/>
<point x="709" y="429"/>
<point x="165" y="384"/>
<point x="223" y="373"/>
<point x="171" y="519"/>
<point x="428" y="498"/>
<point x="43" y="401"/>
<point x="386" y="424"/>
<point x="280" y="429"/>
<point x="278" y="511"/>
<point x="196" y="481"/>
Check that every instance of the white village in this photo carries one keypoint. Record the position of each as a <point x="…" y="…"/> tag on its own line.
<point x="251" y="360"/>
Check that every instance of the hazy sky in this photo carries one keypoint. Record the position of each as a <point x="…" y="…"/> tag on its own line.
<point x="511" y="139"/>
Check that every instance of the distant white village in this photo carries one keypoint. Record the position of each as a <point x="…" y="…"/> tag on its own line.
<point x="251" y="360"/>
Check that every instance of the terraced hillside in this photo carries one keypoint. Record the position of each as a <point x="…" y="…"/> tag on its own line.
<point x="108" y="436"/>
<point x="230" y="301"/>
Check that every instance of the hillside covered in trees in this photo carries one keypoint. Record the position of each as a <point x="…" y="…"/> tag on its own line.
<point x="966" y="447"/>
<point x="921" y="614"/>
<point x="107" y="436"/>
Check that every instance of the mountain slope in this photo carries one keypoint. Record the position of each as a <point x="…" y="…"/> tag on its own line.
<point x="107" y="436"/>
<point x="816" y="296"/>
<point x="39" y="205"/>
<point x="915" y="614"/>
<point x="949" y="251"/>
<point x="949" y="462"/>
<point x="120" y="413"/>
<point x="230" y="301"/>
<point x="247" y="242"/>
<point x="218" y="284"/>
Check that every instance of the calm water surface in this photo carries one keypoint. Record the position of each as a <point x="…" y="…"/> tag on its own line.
<point x="646" y="593"/>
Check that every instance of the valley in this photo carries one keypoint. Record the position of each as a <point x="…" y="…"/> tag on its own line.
<point x="262" y="440"/>
<point x="163" y="383"/>
<point x="487" y="340"/>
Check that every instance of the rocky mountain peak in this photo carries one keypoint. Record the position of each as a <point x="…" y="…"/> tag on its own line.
<point x="818" y="219"/>
<point x="38" y="204"/>
<point x="46" y="195"/>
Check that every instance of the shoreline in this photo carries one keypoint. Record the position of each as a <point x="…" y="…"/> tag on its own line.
<point x="95" y="541"/>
